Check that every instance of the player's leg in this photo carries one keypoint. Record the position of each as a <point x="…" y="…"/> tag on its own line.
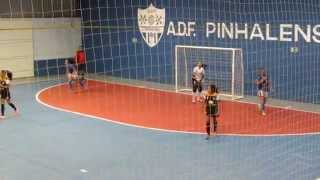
<point x="215" y="124"/>
<point x="199" y="91"/>
<point x="81" y="79"/>
<point x="208" y="125"/>
<point x="194" y="90"/>
<point x="70" y="80"/>
<point x="263" y="105"/>
<point x="81" y="74"/>
<point x="260" y="99"/>
<point x="11" y="104"/>
<point x="2" y="101"/>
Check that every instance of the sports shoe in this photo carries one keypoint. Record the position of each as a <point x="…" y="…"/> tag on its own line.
<point x="263" y="113"/>
<point x="2" y="117"/>
<point x="208" y="137"/>
<point x="193" y="99"/>
<point x="16" y="112"/>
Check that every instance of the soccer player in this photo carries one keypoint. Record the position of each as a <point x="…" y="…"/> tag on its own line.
<point x="71" y="71"/>
<point x="80" y="59"/>
<point x="263" y="86"/>
<point x="197" y="78"/>
<point x="5" y="77"/>
<point x="211" y="109"/>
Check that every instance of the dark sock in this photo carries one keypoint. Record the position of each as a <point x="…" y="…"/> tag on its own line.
<point x="208" y="128"/>
<point x="13" y="106"/>
<point x="70" y="83"/>
<point x="2" y="109"/>
<point x="215" y="125"/>
<point x="81" y="82"/>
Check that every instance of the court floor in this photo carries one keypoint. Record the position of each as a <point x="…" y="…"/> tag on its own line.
<point x="46" y="143"/>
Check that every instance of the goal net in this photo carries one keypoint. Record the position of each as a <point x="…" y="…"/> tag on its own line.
<point x="223" y="67"/>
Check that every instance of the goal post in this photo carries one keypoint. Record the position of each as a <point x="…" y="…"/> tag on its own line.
<point x="223" y="67"/>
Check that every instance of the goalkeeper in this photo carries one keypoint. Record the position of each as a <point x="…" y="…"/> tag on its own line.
<point x="197" y="78"/>
<point x="80" y="59"/>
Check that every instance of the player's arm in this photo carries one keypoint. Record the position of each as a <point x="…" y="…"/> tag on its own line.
<point x="269" y="85"/>
<point x="259" y="81"/>
<point x="204" y="105"/>
<point x="202" y="75"/>
<point x="218" y="104"/>
<point x="194" y="74"/>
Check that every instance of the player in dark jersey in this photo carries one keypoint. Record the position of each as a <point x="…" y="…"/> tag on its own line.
<point x="5" y="77"/>
<point x="263" y="86"/>
<point x="71" y="70"/>
<point x="211" y="109"/>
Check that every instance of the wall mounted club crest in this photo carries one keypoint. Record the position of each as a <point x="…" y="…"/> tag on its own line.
<point x="151" y="23"/>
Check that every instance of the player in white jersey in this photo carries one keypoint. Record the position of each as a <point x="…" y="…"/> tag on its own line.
<point x="197" y="78"/>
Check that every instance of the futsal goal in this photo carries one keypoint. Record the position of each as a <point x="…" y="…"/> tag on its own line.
<point x="223" y="67"/>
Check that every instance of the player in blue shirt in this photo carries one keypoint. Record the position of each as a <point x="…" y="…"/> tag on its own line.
<point x="71" y="70"/>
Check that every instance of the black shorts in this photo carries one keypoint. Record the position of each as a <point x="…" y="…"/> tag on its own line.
<point x="196" y="85"/>
<point x="5" y="94"/>
<point x="81" y="68"/>
<point x="212" y="115"/>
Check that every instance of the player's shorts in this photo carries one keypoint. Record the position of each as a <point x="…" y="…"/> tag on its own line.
<point x="82" y="68"/>
<point x="212" y="112"/>
<point x="262" y="93"/>
<point x="196" y="85"/>
<point x="5" y="94"/>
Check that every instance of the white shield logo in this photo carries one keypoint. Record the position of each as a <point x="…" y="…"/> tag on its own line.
<point x="151" y="24"/>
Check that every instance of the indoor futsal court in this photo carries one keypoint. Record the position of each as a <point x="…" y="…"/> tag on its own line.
<point x="159" y="90"/>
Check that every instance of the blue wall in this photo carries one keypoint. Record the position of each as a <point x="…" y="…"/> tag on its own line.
<point x="49" y="67"/>
<point x="295" y="76"/>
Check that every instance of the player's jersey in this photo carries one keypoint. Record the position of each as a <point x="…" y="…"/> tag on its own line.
<point x="211" y="104"/>
<point x="71" y="66"/>
<point x="80" y="57"/>
<point x="4" y="89"/>
<point x="4" y="84"/>
<point x="264" y="85"/>
<point x="198" y="73"/>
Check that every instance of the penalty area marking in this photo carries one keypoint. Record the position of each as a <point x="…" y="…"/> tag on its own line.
<point x="158" y="129"/>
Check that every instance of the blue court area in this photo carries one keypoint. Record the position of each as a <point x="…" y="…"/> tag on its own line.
<point x="43" y="143"/>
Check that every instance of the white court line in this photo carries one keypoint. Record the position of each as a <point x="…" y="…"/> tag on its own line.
<point x="158" y="129"/>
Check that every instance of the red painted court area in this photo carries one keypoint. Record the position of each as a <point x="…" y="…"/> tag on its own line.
<point x="174" y="111"/>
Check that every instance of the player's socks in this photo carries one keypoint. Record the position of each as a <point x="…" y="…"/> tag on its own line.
<point x="2" y="110"/>
<point x="215" y="125"/>
<point x="198" y="97"/>
<point x="70" y="84"/>
<point x="13" y="106"/>
<point x="193" y="98"/>
<point x="81" y="82"/>
<point x="208" y="128"/>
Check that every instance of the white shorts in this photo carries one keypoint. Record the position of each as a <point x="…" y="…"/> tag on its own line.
<point x="262" y="93"/>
